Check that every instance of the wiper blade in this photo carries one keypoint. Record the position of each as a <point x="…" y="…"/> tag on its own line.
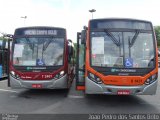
<point x="131" y="43"/>
<point x="31" y="46"/>
<point x="47" y="44"/>
<point x="150" y="63"/>
<point x="112" y="37"/>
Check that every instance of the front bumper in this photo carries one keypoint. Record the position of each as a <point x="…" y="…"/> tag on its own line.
<point x="46" y="84"/>
<point x="94" y="88"/>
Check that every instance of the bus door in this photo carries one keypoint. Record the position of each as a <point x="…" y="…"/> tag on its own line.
<point x="80" y="61"/>
<point x="71" y="66"/>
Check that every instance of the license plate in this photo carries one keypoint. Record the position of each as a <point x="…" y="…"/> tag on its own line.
<point x="123" y="92"/>
<point x="36" y="85"/>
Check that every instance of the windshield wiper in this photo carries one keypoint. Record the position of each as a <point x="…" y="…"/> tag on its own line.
<point x="47" y="44"/>
<point x="30" y="45"/>
<point x="112" y="37"/>
<point x="131" y="42"/>
<point x="151" y="62"/>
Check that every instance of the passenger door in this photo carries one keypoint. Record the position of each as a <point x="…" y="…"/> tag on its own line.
<point x="80" y="61"/>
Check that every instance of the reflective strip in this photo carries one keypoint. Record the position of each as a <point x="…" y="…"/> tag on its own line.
<point x="80" y="87"/>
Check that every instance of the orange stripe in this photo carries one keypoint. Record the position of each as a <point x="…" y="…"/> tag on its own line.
<point x="80" y="87"/>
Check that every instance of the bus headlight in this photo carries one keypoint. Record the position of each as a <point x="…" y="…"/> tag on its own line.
<point x="94" y="78"/>
<point x="59" y="75"/>
<point x="13" y="74"/>
<point x="151" y="79"/>
<point x="62" y="73"/>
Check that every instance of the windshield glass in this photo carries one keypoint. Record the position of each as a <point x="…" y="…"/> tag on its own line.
<point x="36" y="51"/>
<point x="122" y="49"/>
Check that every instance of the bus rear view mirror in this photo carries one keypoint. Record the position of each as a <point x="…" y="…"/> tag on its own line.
<point x="70" y="49"/>
<point x="70" y="53"/>
<point x="83" y="37"/>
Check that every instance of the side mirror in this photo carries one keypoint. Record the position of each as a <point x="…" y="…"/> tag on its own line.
<point x="83" y="37"/>
<point x="158" y="52"/>
<point x="70" y="49"/>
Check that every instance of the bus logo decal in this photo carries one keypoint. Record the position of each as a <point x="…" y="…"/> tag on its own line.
<point x="29" y="68"/>
<point x="115" y="70"/>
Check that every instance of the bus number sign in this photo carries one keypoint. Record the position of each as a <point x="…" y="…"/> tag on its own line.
<point x="136" y="81"/>
<point x="46" y="76"/>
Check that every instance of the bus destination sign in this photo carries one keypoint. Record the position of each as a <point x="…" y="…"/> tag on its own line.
<point x="40" y="32"/>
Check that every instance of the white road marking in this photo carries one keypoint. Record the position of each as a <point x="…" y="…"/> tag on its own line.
<point x="75" y="96"/>
<point x="3" y="80"/>
<point x="4" y="90"/>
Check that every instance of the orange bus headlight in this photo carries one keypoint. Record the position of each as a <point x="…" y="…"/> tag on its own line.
<point x="151" y="79"/>
<point x="94" y="78"/>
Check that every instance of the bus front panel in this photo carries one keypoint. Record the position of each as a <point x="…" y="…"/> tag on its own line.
<point x="121" y="57"/>
<point x="38" y="58"/>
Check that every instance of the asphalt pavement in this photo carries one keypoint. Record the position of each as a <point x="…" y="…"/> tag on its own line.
<point x="17" y="101"/>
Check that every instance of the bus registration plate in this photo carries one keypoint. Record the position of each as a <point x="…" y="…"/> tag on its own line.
<point x="36" y="85"/>
<point x="123" y="92"/>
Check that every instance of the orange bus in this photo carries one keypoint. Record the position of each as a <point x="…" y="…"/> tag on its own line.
<point x="117" y="57"/>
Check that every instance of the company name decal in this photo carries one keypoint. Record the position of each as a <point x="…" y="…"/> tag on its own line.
<point x="26" y="77"/>
<point x="123" y="70"/>
<point x="36" y="68"/>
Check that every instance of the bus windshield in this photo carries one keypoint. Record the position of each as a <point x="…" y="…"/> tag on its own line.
<point x="132" y="49"/>
<point x="38" y="51"/>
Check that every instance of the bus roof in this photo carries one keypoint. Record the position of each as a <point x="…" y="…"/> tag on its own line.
<point x="121" y="19"/>
<point x="39" y="27"/>
<point x="120" y="23"/>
